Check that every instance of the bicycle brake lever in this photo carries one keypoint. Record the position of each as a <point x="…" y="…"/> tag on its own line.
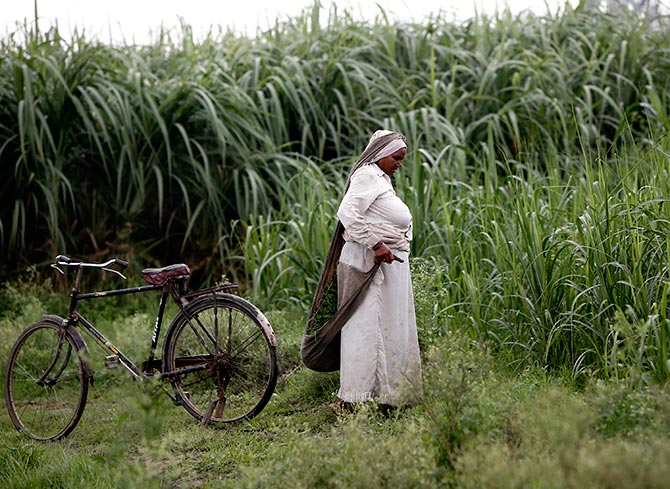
<point x="116" y="272"/>
<point x="53" y="265"/>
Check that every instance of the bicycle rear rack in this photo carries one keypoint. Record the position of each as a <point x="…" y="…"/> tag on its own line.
<point x="209" y="290"/>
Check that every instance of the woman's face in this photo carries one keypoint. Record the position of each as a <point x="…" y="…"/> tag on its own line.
<point x="392" y="162"/>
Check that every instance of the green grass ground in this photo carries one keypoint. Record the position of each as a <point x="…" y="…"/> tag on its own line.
<point x="480" y="425"/>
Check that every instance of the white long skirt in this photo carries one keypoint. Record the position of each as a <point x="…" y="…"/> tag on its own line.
<point x="380" y="349"/>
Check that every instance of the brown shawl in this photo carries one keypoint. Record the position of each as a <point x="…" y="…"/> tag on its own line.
<point x="320" y="348"/>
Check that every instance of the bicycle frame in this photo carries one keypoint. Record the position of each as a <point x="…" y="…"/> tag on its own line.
<point x="169" y="289"/>
<point x="76" y="318"/>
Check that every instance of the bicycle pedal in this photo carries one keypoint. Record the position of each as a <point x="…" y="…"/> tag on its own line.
<point x="112" y="361"/>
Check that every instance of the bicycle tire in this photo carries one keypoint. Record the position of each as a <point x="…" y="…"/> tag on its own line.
<point x="46" y="382"/>
<point x="230" y="352"/>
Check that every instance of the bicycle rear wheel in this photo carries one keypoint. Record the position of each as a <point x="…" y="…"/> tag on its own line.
<point x="221" y="356"/>
<point x="45" y="384"/>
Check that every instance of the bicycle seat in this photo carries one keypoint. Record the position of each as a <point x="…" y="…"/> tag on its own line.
<point x="159" y="276"/>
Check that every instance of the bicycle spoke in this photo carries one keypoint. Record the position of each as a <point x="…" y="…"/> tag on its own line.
<point x="198" y="380"/>
<point x="216" y="329"/>
<point x="62" y="378"/>
<point x="246" y="343"/>
<point x="229" y="345"/>
<point x="200" y="338"/>
<point x="27" y="373"/>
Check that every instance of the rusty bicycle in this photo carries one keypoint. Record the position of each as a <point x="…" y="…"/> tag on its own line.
<point x="219" y="354"/>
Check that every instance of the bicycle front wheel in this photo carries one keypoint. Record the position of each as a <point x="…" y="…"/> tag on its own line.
<point x="221" y="357"/>
<point x="45" y="385"/>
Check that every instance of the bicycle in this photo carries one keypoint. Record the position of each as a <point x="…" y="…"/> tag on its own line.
<point x="219" y="354"/>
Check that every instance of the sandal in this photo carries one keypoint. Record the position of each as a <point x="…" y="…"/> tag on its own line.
<point x="342" y="407"/>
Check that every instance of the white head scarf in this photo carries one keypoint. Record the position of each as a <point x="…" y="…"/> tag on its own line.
<point x="390" y="148"/>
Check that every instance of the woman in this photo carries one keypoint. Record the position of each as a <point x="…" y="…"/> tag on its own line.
<point x="379" y="350"/>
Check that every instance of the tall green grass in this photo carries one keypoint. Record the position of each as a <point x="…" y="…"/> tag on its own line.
<point x="568" y="274"/>
<point x="537" y="168"/>
<point x="166" y="144"/>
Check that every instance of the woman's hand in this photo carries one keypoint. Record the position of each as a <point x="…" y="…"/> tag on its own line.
<point x="384" y="254"/>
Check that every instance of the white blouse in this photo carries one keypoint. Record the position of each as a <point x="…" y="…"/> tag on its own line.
<point x="371" y="211"/>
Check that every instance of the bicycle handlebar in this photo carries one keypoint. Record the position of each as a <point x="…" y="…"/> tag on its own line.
<point x="62" y="260"/>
